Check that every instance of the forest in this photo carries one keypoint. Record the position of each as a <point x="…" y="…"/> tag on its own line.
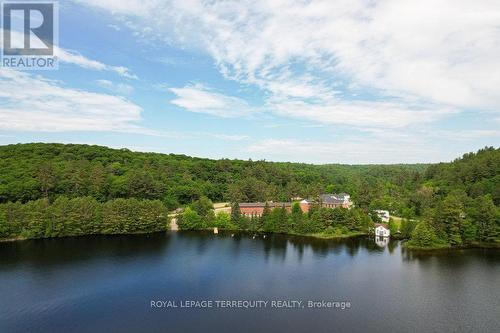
<point x="81" y="216"/>
<point x="454" y="203"/>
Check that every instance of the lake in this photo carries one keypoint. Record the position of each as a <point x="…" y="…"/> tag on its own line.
<point x="108" y="284"/>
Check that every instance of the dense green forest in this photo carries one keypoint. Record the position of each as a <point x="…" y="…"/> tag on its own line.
<point x="458" y="202"/>
<point x="33" y="171"/>
<point x="81" y="216"/>
<point x="442" y="204"/>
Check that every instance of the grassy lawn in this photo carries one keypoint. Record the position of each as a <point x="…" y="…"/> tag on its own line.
<point x="222" y="207"/>
<point x="397" y="220"/>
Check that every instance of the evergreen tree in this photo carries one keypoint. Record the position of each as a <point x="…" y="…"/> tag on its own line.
<point x="468" y="231"/>
<point x="315" y="222"/>
<point x="281" y="220"/>
<point x="296" y="218"/>
<point x="449" y="218"/>
<point x="393" y="227"/>
<point x="423" y="236"/>
<point x="4" y="227"/>
<point x="235" y="214"/>
<point x="340" y="216"/>
<point x="407" y="227"/>
<point x="485" y="216"/>
<point x="266" y="213"/>
<point x="36" y="219"/>
<point x="47" y="178"/>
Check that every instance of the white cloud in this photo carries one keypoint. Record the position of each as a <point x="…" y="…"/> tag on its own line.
<point x="435" y="57"/>
<point x="119" y="88"/>
<point x="75" y="58"/>
<point x="343" y="151"/>
<point x="230" y="137"/>
<point x="201" y="99"/>
<point x="123" y="71"/>
<point x="464" y="135"/>
<point x="360" y="114"/>
<point x="114" y="27"/>
<point x="32" y="103"/>
<point x="379" y="146"/>
<point x="129" y="7"/>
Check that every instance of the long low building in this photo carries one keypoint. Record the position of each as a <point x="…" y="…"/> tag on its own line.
<point x="325" y="200"/>
<point x="257" y="208"/>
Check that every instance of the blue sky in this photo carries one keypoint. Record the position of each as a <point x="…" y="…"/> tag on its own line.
<point x="311" y="81"/>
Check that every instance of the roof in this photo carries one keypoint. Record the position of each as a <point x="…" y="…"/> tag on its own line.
<point x="384" y="225"/>
<point x="263" y="204"/>
<point x="331" y="199"/>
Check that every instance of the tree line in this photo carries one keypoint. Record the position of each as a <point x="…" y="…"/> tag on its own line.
<point x="81" y="216"/>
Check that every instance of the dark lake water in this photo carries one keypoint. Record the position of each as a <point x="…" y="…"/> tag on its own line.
<point x="106" y="284"/>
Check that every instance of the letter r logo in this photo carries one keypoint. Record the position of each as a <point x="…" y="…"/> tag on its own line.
<point x="28" y="28"/>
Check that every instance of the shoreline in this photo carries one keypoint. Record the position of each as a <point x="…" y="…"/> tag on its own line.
<point x="448" y="247"/>
<point x="20" y="238"/>
<point x="311" y="235"/>
<point x="327" y="236"/>
<point x="16" y="239"/>
<point x="315" y="235"/>
<point x="494" y="246"/>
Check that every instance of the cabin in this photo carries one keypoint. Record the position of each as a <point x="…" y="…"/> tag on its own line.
<point x="382" y="230"/>
<point x="384" y="215"/>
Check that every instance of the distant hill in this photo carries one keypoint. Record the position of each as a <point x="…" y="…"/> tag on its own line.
<point x="477" y="174"/>
<point x="31" y="171"/>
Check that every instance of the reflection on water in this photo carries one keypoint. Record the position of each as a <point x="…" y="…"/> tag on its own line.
<point x="43" y="253"/>
<point x="68" y="251"/>
<point x="381" y="241"/>
<point x="105" y="284"/>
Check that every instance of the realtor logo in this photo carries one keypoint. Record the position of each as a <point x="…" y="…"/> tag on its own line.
<point x="29" y="34"/>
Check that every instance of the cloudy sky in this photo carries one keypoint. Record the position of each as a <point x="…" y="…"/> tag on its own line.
<point x="334" y="81"/>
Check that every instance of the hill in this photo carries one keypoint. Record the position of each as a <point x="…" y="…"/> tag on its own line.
<point x="476" y="174"/>
<point x="37" y="170"/>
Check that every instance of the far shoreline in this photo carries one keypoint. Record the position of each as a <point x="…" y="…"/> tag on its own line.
<point x="318" y="236"/>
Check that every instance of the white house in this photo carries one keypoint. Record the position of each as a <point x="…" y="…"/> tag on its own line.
<point x="384" y="215"/>
<point x="382" y="230"/>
